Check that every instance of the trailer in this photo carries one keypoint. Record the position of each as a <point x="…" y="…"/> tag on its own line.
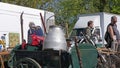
<point x="10" y="20"/>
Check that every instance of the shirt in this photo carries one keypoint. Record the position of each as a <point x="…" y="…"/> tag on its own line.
<point x="89" y="31"/>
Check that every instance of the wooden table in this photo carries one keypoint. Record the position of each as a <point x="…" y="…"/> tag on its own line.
<point x="1" y="58"/>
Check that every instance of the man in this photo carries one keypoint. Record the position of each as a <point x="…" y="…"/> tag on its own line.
<point x="31" y="31"/>
<point x="114" y="33"/>
<point x="89" y="29"/>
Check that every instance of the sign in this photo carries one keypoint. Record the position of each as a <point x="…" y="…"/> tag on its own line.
<point x="14" y="39"/>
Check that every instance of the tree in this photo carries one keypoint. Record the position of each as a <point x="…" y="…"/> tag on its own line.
<point x="115" y="6"/>
<point x="28" y="3"/>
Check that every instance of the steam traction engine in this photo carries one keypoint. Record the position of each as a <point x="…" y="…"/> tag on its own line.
<point x="54" y="53"/>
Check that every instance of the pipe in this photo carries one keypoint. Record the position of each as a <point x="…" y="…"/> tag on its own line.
<point x="78" y="53"/>
<point x="21" y="22"/>
<point x="43" y="22"/>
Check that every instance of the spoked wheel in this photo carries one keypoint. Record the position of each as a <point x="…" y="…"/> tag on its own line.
<point x="27" y="63"/>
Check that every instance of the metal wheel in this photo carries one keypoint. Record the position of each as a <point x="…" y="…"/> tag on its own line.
<point x="27" y="63"/>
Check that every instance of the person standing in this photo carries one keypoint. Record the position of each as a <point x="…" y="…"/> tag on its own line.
<point x="114" y="36"/>
<point x="114" y="33"/>
<point x="89" y="29"/>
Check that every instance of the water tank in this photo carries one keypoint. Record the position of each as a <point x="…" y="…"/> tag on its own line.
<point x="55" y="39"/>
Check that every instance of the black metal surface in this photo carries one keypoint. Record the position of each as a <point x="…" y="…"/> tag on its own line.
<point x="49" y="58"/>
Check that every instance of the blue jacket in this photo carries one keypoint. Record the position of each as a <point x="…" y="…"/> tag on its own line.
<point x="39" y="32"/>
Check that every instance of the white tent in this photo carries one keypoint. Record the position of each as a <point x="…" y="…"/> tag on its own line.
<point x="10" y="19"/>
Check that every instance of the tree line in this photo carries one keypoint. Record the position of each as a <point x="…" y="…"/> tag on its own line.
<point x="67" y="11"/>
